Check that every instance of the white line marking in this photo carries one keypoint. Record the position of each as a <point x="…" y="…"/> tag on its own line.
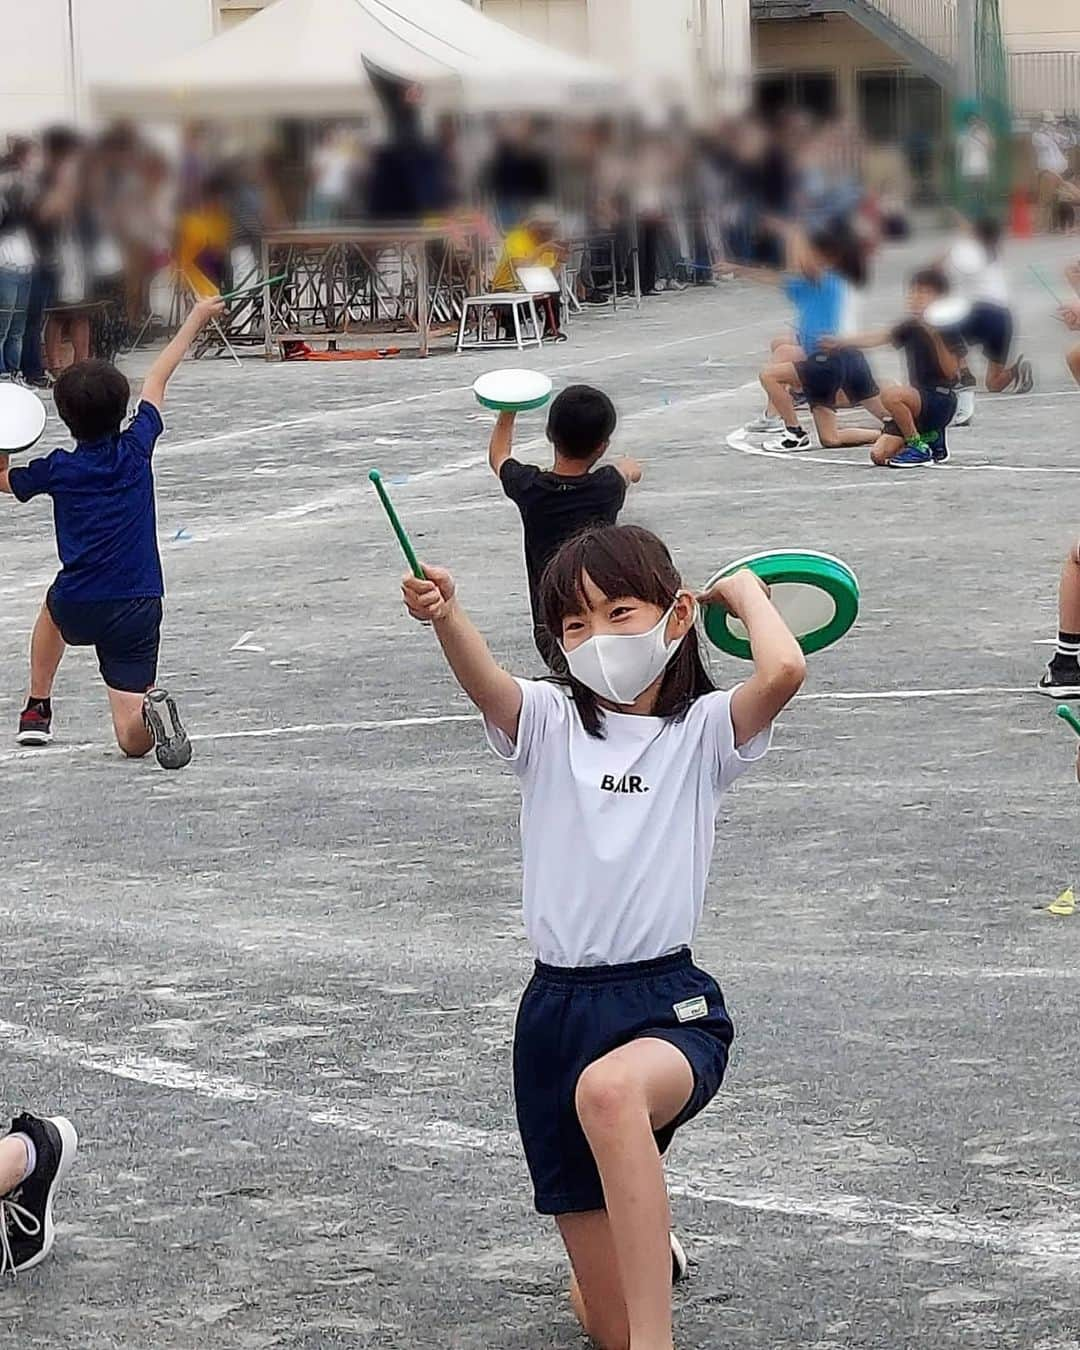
<point x="368" y="409"/>
<point x="738" y="440"/>
<point x="1054" y="1240"/>
<point x="440" y="719"/>
<point x="162" y="1073"/>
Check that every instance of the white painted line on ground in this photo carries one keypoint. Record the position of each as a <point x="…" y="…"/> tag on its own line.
<point x="368" y="409"/>
<point x="1056" y="1239"/>
<point x="738" y="440"/>
<point x="56" y="750"/>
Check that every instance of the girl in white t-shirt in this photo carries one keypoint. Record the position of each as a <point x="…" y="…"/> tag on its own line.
<point x="620" y="1038"/>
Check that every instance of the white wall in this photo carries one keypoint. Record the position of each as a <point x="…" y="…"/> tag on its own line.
<point x="109" y="36"/>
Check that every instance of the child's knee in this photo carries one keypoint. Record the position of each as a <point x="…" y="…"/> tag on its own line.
<point x="605" y="1094"/>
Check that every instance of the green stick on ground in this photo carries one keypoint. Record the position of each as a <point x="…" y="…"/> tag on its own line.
<point x="1045" y="284"/>
<point x="1067" y="715"/>
<point x="402" y="538"/>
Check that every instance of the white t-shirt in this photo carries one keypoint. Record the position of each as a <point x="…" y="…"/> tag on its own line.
<point x="975" y="146"/>
<point x="978" y="276"/>
<point x="1049" y="156"/>
<point x="617" y="833"/>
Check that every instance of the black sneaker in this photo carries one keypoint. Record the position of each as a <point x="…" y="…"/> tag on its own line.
<point x="1061" y="678"/>
<point x="171" y="744"/>
<point x="26" y="1221"/>
<point x="35" y="727"/>
<point x="39" y="381"/>
<point x="938" y="447"/>
<point x="679" y="1263"/>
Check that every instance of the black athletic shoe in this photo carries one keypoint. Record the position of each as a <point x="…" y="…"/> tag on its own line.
<point x="938" y="447"/>
<point x="679" y="1263"/>
<point x="1061" y="678"/>
<point x="171" y="744"/>
<point x="26" y="1220"/>
<point x="35" y="727"/>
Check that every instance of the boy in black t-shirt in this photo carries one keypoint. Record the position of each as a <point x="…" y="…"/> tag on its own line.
<point x="919" y="411"/>
<point x="559" y="502"/>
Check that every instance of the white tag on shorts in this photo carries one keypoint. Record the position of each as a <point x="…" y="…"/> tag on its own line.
<point x="690" y="1009"/>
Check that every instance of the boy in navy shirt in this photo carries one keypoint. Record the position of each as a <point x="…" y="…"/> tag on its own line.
<point x="109" y="589"/>
<point x="559" y="502"/>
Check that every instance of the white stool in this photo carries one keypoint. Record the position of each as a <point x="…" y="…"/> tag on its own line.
<point x="517" y="301"/>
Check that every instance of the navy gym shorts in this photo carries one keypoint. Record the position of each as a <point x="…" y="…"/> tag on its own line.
<point x="126" y="634"/>
<point x="569" y="1018"/>
<point x="990" y="327"/>
<point x="826" y="375"/>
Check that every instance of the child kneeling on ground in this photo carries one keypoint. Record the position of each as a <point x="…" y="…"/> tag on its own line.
<point x="109" y="590"/>
<point x="620" y="1038"/>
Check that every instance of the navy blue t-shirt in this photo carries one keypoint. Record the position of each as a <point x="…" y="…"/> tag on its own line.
<point x="103" y="507"/>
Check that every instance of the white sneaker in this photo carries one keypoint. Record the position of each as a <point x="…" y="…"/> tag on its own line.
<point x="765" y="426"/>
<point x="965" y="408"/>
<point x="791" y="440"/>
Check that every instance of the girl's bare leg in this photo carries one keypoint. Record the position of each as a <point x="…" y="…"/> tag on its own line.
<point x="621" y="1099"/>
<point x="832" y="435"/>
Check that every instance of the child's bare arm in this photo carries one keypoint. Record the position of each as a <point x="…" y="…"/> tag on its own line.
<point x="164" y="367"/>
<point x="764" y="276"/>
<point x="5" y="484"/>
<point x="947" y="358"/>
<point x="878" y="337"/>
<point x="630" y="469"/>
<point x="501" y="446"/>
<point x="497" y="694"/>
<point x="779" y="664"/>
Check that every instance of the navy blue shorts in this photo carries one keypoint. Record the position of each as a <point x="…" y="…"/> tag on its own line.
<point x="989" y="327"/>
<point x="826" y="375"/>
<point x="126" y="634"/>
<point x="570" y="1018"/>
<point x="938" y="410"/>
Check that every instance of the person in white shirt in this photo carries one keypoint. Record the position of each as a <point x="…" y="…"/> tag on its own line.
<point x="1051" y="163"/>
<point x="977" y="273"/>
<point x="620" y="1038"/>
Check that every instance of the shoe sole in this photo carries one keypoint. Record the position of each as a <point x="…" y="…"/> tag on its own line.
<point x="69" y="1146"/>
<point x="33" y="738"/>
<point x="1058" y="690"/>
<point x="171" y="744"/>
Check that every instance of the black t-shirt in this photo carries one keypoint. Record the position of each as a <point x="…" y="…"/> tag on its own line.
<point x="554" y="508"/>
<point x="920" y="350"/>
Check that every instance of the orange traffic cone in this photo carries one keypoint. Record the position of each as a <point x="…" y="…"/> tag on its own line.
<point x="1021" y="224"/>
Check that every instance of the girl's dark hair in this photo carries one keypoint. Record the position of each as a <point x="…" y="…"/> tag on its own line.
<point x="932" y="278"/>
<point x="622" y="561"/>
<point x="988" y="233"/>
<point x="842" y="250"/>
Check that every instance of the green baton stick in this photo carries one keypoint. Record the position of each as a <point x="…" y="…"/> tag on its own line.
<point x="399" y="529"/>
<point x="1067" y="715"/>
<point x="1044" y="283"/>
<point x="255" y="286"/>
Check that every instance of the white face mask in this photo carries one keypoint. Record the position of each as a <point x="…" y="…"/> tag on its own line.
<point x="620" y="666"/>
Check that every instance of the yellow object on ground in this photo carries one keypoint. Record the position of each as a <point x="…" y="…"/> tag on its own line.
<point x="1065" y="904"/>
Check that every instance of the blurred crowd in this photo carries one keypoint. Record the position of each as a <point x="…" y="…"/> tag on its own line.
<point x="103" y="238"/>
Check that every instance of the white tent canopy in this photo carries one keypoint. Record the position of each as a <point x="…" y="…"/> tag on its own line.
<point x="309" y="58"/>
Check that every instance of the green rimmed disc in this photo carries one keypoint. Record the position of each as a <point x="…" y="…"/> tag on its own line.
<point x="512" y="390"/>
<point x="817" y="595"/>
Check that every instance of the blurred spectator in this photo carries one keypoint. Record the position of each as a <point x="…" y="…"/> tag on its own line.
<point x="16" y="253"/>
<point x="194" y="168"/>
<point x="333" y="176"/>
<point x="518" y="173"/>
<point x="50" y="223"/>
<point x="1048" y="142"/>
<point x="975" y="159"/>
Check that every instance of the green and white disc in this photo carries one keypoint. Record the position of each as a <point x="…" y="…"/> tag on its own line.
<point x="512" y="390"/>
<point x="817" y="595"/>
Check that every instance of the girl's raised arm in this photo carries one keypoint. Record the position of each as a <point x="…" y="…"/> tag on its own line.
<point x="434" y="600"/>
<point x="779" y="664"/>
